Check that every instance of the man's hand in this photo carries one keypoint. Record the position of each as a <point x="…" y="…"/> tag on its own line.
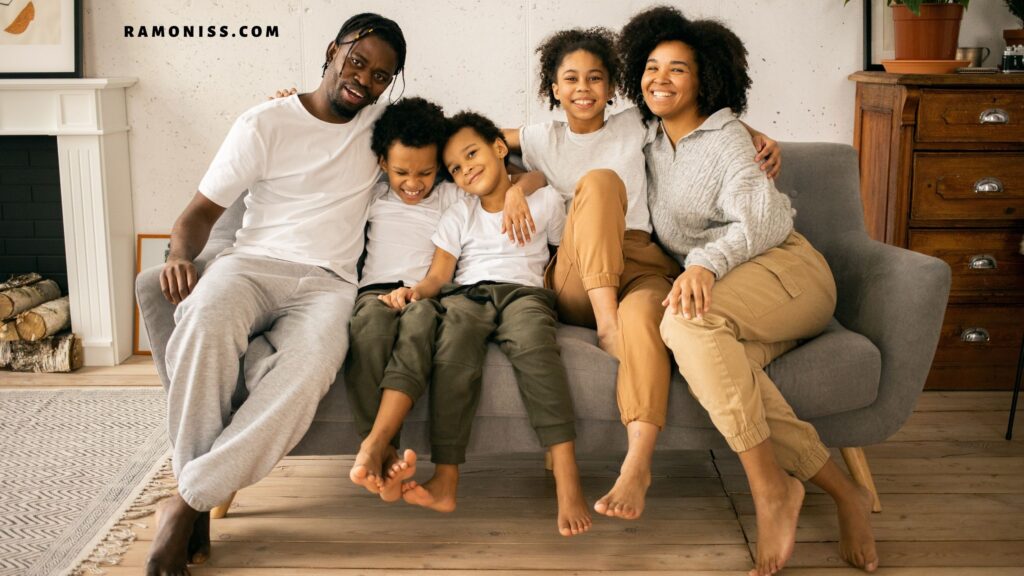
<point x="769" y="155"/>
<point x="399" y="298"/>
<point x="693" y="290"/>
<point x="178" y="279"/>
<point x="517" y="221"/>
<point x="284" y="93"/>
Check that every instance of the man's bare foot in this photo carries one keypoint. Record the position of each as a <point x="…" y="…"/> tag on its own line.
<point x="397" y="470"/>
<point x="438" y="494"/>
<point x="573" y="512"/>
<point x="199" y="541"/>
<point x="168" y="554"/>
<point x="777" y="516"/>
<point x="368" y="470"/>
<point x="856" y="540"/>
<point x="627" y="497"/>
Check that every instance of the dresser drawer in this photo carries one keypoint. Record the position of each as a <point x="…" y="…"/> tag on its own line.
<point x="971" y="116"/>
<point x="973" y="186"/>
<point x="978" y="348"/>
<point x="984" y="262"/>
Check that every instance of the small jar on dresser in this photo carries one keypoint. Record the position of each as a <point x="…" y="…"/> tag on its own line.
<point x="942" y="173"/>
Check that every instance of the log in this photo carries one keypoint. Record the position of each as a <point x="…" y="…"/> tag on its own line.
<point x="19" y="280"/>
<point x="44" y="320"/>
<point x="8" y="331"/>
<point x="5" y="354"/>
<point x="60" y="353"/>
<point x="17" y="300"/>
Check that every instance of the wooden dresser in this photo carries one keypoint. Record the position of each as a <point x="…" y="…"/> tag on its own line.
<point x="942" y="173"/>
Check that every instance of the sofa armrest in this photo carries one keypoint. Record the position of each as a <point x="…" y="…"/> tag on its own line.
<point x="897" y="298"/>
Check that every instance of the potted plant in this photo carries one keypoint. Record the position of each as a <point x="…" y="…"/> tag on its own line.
<point x="927" y="29"/>
<point x="1015" y="36"/>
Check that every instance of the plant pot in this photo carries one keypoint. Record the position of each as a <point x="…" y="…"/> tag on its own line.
<point x="1014" y="36"/>
<point x="931" y="36"/>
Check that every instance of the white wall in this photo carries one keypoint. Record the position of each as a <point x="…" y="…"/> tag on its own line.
<point x="462" y="53"/>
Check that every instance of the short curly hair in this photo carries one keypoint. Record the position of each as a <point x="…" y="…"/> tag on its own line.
<point x="598" y="41"/>
<point x="415" y="122"/>
<point x="482" y="125"/>
<point x="720" y="56"/>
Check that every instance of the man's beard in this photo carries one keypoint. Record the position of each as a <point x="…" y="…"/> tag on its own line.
<point x="338" y="110"/>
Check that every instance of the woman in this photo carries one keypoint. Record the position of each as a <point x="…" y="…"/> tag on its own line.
<point x="751" y="286"/>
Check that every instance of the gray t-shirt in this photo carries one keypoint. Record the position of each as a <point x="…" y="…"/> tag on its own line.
<point x="710" y="203"/>
<point x="564" y="157"/>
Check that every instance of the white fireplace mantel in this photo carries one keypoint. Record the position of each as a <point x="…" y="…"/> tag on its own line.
<point x="88" y="116"/>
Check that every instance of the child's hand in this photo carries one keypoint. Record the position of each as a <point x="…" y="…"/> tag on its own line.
<point x="283" y="93"/>
<point x="399" y="297"/>
<point x="769" y="155"/>
<point x="517" y="221"/>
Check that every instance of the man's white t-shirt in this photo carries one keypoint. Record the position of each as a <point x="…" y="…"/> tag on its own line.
<point x="398" y="245"/>
<point x="308" y="184"/>
<point x="473" y="236"/>
<point x="564" y="157"/>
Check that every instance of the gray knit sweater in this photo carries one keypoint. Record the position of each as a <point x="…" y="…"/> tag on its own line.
<point x="710" y="203"/>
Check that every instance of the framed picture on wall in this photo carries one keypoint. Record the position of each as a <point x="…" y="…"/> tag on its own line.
<point x="40" y="38"/>
<point x="150" y="250"/>
<point x="878" y="34"/>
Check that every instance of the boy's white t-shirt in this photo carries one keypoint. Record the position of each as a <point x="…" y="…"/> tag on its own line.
<point x="308" y="184"/>
<point x="564" y="157"/>
<point x="473" y="236"/>
<point x="398" y="237"/>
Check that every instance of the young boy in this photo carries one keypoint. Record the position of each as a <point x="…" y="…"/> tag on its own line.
<point x="498" y="296"/>
<point x="391" y="354"/>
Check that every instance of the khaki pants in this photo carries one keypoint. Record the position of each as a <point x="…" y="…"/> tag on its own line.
<point x="758" y="312"/>
<point x="596" y="251"/>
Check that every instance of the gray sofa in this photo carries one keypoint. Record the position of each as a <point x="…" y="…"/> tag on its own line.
<point x="857" y="382"/>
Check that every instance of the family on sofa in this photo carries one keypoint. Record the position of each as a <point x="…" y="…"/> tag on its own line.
<point x="460" y="252"/>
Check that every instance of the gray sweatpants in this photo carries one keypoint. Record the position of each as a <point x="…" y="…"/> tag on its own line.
<point x="302" y="311"/>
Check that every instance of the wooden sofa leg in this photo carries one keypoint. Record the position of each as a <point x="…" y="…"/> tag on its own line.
<point x="222" y="510"/>
<point x="857" y="462"/>
<point x="548" y="463"/>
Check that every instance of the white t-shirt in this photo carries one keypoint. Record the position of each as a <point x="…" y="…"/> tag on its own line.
<point x="564" y="157"/>
<point x="309" y="184"/>
<point x="474" y="237"/>
<point x="398" y="245"/>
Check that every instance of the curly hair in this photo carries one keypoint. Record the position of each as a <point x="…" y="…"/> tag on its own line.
<point x="414" y="122"/>
<point x="598" y="41"/>
<point x="482" y="125"/>
<point x="720" y="56"/>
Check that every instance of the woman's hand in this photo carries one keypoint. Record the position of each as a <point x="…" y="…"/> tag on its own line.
<point x="283" y="93"/>
<point x="692" y="289"/>
<point x="769" y="155"/>
<point x="517" y="221"/>
<point x="399" y="298"/>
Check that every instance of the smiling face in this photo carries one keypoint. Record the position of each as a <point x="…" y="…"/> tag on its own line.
<point x="476" y="165"/>
<point x="411" y="171"/>
<point x="581" y="87"/>
<point x="670" y="83"/>
<point x="358" y="77"/>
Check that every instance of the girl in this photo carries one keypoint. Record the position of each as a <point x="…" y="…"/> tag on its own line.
<point x="751" y="285"/>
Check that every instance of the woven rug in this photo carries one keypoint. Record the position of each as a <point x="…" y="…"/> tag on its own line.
<point x="71" y="462"/>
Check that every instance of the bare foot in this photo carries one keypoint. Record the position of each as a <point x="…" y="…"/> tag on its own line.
<point x="168" y="554"/>
<point x="626" y="498"/>
<point x="397" y="470"/>
<point x="368" y="470"/>
<point x="856" y="540"/>
<point x="438" y="494"/>
<point x="777" y="516"/>
<point x="199" y="541"/>
<point x="573" y="512"/>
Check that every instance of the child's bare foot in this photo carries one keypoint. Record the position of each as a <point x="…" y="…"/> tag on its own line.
<point x="856" y="540"/>
<point x="168" y="554"/>
<point x="368" y="470"/>
<point x="573" y="512"/>
<point x="438" y="494"/>
<point x="396" y="471"/>
<point x="199" y="541"/>
<point x="777" y="516"/>
<point x="626" y="498"/>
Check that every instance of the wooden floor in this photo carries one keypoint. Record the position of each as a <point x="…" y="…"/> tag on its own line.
<point x="952" y="491"/>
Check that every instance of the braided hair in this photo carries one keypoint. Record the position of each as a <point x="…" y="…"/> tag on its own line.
<point x="364" y="24"/>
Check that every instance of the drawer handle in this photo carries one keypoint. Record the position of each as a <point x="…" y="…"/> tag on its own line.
<point x="982" y="262"/>
<point x="988" y="185"/>
<point x="975" y="335"/>
<point x="994" y="116"/>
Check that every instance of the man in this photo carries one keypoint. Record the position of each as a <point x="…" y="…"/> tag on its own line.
<point x="291" y="275"/>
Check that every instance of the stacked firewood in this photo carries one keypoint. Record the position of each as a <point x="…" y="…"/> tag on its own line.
<point x="34" y="327"/>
